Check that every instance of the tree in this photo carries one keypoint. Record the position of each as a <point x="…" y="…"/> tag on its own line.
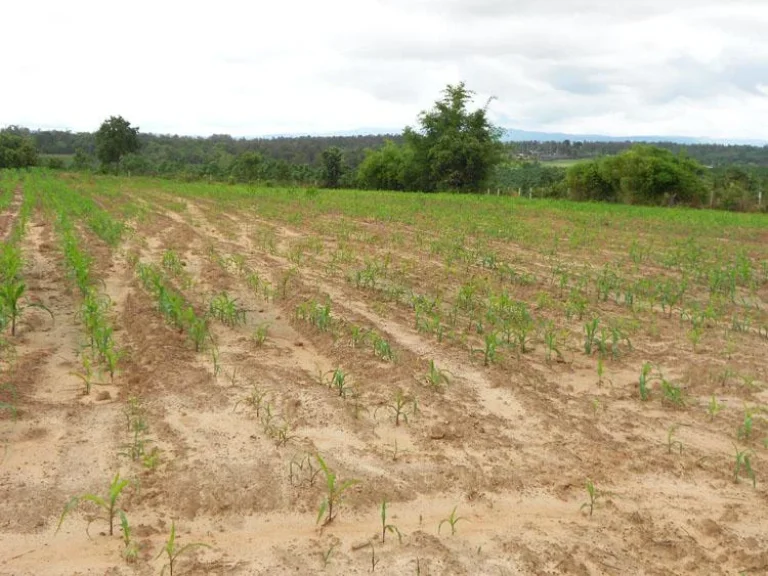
<point x="247" y="167"/>
<point x="386" y="168"/>
<point x="114" y="139"/>
<point x="16" y="151"/>
<point x="333" y="167"/>
<point x="453" y="149"/>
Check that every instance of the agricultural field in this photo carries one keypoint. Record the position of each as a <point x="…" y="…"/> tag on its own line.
<point x="212" y="379"/>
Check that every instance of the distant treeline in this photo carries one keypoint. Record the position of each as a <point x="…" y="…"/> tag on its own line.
<point x="729" y="177"/>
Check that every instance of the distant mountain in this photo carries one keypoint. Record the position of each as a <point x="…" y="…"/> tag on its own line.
<point x="514" y="135"/>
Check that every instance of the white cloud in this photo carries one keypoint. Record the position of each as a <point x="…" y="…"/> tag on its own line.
<point x="248" y="68"/>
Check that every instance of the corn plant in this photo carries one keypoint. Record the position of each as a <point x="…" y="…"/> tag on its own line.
<point x="402" y="405"/>
<point x="108" y="505"/>
<point x="334" y="492"/>
<point x="226" y="310"/>
<point x="743" y="461"/>
<point x="172" y="262"/>
<point x="745" y="429"/>
<point x="593" y="495"/>
<point x="388" y="527"/>
<point x="590" y="330"/>
<point x="672" y="443"/>
<point x="131" y="548"/>
<point x="672" y="393"/>
<point x="338" y="381"/>
<point x="382" y="349"/>
<point x="645" y="381"/>
<point x="260" y="334"/>
<point x="452" y="520"/>
<point x="435" y="377"/>
<point x="11" y="294"/>
<point x="714" y="407"/>
<point x="172" y="551"/>
<point x="491" y="342"/>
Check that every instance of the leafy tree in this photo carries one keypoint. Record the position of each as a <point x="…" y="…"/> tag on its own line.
<point x="386" y="168"/>
<point x="453" y="149"/>
<point x="81" y="160"/>
<point x="333" y="167"/>
<point x="247" y="167"/>
<point x="114" y="139"/>
<point x="16" y="151"/>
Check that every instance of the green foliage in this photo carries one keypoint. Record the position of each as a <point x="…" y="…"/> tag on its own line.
<point x="387" y="527"/>
<point x="593" y="495"/>
<point x="452" y="520"/>
<point x="333" y="167"/>
<point x="172" y="551"/>
<point x="641" y="175"/>
<point x="16" y="151"/>
<point x="114" y="139"/>
<point x="334" y="493"/>
<point x="453" y="148"/>
<point x="385" y="168"/>
<point x="108" y="505"/>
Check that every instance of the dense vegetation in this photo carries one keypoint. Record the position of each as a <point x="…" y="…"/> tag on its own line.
<point x="450" y="149"/>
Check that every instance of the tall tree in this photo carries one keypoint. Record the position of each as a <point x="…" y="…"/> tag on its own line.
<point x="114" y="139"/>
<point x="333" y="167"/>
<point x="453" y="148"/>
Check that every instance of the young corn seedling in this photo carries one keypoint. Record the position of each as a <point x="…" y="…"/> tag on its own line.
<point x="374" y="561"/>
<point x="491" y="342"/>
<point x="745" y="429"/>
<point x="382" y="349"/>
<point x="672" y="393"/>
<point x="338" y="381"/>
<point x="260" y="334"/>
<point x="436" y="378"/>
<point x="401" y="406"/>
<point x="391" y="528"/>
<point x="254" y="400"/>
<point x="743" y="461"/>
<point x="645" y="382"/>
<point x="452" y="520"/>
<point x="172" y="551"/>
<point x="334" y="492"/>
<point x="672" y="443"/>
<point x="590" y="330"/>
<point x="108" y="505"/>
<point x="11" y="293"/>
<point x="131" y="549"/>
<point x="594" y="495"/>
<point x="226" y="310"/>
<point x="714" y="407"/>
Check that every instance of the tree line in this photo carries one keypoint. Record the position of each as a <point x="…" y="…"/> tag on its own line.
<point x="451" y="148"/>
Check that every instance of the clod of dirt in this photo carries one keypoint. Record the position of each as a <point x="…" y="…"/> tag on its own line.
<point x="103" y="396"/>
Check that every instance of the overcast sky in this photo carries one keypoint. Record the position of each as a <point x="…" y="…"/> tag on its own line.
<point x="244" y="67"/>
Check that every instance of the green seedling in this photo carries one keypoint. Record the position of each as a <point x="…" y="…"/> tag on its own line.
<point x="491" y="342"/>
<point x="359" y="335"/>
<point x="672" y="393"/>
<point x="452" y="520"/>
<point x="335" y="491"/>
<point x="743" y="461"/>
<point x="108" y="504"/>
<point x="645" y="382"/>
<point x="671" y="442"/>
<point x="745" y="429"/>
<point x="388" y="527"/>
<point x="400" y="406"/>
<point x="11" y="294"/>
<point x="714" y="407"/>
<point x="260" y="334"/>
<point x="172" y="551"/>
<point x="338" y="381"/>
<point x="382" y="349"/>
<point x="590" y="330"/>
<point x="327" y="555"/>
<point x="436" y="378"/>
<point x="226" y="310"/>
<point x="594" y="495"/>
<point x="131" y="549"/>
<point x="254" y="400"/>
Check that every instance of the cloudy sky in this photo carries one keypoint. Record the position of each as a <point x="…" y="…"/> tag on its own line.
<point x="248" y="67"/>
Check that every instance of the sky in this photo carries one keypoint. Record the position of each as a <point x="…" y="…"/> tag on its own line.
<point x="249" y="68"/>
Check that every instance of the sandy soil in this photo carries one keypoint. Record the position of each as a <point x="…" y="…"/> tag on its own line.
<point x="510" y="446"/>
